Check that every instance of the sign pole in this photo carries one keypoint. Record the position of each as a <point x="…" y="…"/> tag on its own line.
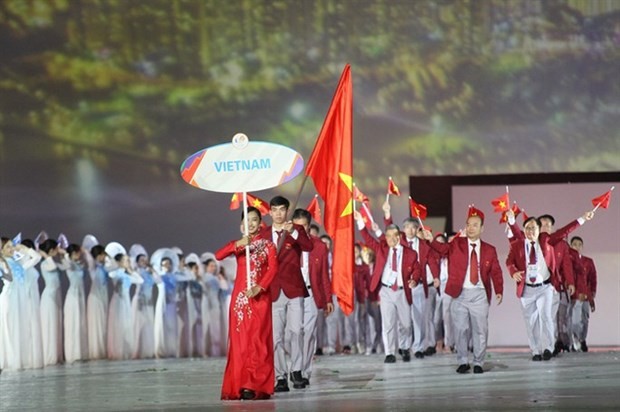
<point x="246" y="232"/>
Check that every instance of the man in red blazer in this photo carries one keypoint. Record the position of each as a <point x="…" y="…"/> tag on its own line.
<point x="531" y="263"/>
<point x="562" y="290"/>
<point x="396" y="271"/>
<point x="288" y="291"/>
<point x="314" y="269"/>
<point x="583" y="300"/>
<point x="425" y="293"/>
<point x="474" y="273"/>
<point x="361" y="278"/>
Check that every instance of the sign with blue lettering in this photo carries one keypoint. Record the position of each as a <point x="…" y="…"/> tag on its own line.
<point x="241" y="166"/>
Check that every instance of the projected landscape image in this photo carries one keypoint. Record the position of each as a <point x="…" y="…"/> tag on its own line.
<point x="101" y="101"/>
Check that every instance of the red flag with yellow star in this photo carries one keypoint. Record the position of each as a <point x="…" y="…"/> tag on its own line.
<point x="501" y="204"/>
<point x="315" y="210"/>
<point x="331" y="168"/>
<point x="254" y="201"/>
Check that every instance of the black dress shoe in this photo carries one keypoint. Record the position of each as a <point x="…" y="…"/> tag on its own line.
<point x="418" y="355"/>
<point x="478" y="369"/>
<point x="584" y="347"/>
<point x="247" y="394"/>
<point x="346" y="349"/>
<point x="430" y="351"/>
<point x="547" y="354"/>
<point x="406" y="354"/>
<point x="281" y="386"/>
<point x="306" y="381"/>
<point x="390" y="359"/>
<point x="298" y="381"/>
<point x="464" y="368"/>
<point x="536" y="358"/>
<point x="319" y="352"/>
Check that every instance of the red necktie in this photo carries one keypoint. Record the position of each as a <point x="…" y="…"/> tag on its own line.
<point x="394" y="267"/>
<point x="411" y="244"/>
<point x="473" y="265"/>
<point x="532" y="253"/>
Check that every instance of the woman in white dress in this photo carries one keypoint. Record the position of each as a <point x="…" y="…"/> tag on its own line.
<point x="32" y="317"/>
<point x="211" y="309"/>
<point x="97" y="304"/>
<point x="165" y="262"/>
<point x="76" y="345"/>
<point x="15" y="260"/>
<point x="51" y="302"/>
<point x="143" y="308"/>
<point x="120" y="322"/>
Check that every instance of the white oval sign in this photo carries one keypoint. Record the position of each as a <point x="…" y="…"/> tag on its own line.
<point x="234" y="167"/>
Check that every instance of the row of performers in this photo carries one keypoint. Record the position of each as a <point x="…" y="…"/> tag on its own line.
<point x="117" y="305"/>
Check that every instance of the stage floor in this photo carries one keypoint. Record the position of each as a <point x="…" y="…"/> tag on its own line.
<point x="511" y="381"/>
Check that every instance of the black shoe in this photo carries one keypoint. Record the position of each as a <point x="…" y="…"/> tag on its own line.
<point x="584" y="347"/>
<point x="298" y="381"/>
<point x="374" y="351"/>
<point x="400" y="352"/>
<point x="319" y="352"/>
<point x="306" y="381"/>
<point x="536" y="358"/>
<point x="430" y="351"/>
<point x="557" y="349"/>
<point x="547" y="354"/>
<point x="390" y="359"/>
<point x="478" y="369"/>
<point x="418" y="355"/>
<point x="281" y="386"/>
<point x="247" y="394"/>
<point x="566" y="348"/>
<point x="406" y="354"/>
<point x="464" y="368"/>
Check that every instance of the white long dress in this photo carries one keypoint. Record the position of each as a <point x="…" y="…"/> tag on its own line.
<point x="143" y="309"/>
<point x="33" y="347"/>
<point x="51" y="313"/>
<point x="195" y="319"/>
<point x="166" y="323"/>
<point x="120" y="322"/>
<point x="212" y="315"/>
<point x="76" y="344"/>
<point x="97" y="313"/>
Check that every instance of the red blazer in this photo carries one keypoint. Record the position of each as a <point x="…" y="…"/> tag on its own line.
<point x="289" y="278"/>
<point x="410" y="267"/>
<point x="457" y="252"/>
<point x="361" y="280"/>
<point x="585" y="275"/>
<point x="318" y="266"/>
<point x="515" y="261"/>
<point x="564" y="266"/>
<point x="423" y="256"/>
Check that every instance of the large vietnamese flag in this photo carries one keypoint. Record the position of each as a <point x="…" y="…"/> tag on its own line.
<point x="331" y="168"/>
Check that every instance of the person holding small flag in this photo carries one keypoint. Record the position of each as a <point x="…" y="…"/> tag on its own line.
<point x="474" y="273"/>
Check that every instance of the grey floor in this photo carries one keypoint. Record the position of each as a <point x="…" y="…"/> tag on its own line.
<point x="577" y="381"/>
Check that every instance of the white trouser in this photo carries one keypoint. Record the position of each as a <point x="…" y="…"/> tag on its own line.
<point x="555" y="306"/>
<point x="536" y="305"/>
<point x="442" y="318"/>
<point x="311" y="314"/>
<point x="429" y="311"/>
<point x="470" y="310"/>
<point x="362" y="325"/>
<point x="288" y="318"/>
<point x="350" y="327"/>
<point x="374" y="336"/>
<point x="395" y="316"/>
<point x="580" y="321"/>
<point x="332" y="325"/>
<point x="418" y="315"/>
<point x="564" y="320"/>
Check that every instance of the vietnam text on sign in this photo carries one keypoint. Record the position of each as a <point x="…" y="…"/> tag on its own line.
<point x="256" y="166"/>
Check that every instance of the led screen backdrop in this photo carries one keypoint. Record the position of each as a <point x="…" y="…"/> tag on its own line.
<point x="100" y="101"/>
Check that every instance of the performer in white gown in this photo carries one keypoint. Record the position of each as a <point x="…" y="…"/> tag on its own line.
<point x="194" y="306"/>
<point x="165" y="262"/>
<point x="143" y="308"/>
<point x="51" y="302"/>
<point x="211" y="308"/>
<point x="14" y="261"/>
<point x="120" y="322"/>
<point x="76" y="344"/>
<point x="97" y="304"/>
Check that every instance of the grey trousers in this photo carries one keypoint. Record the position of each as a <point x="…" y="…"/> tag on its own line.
<point x="470" y="308"/>
<point x="288" y="319"/>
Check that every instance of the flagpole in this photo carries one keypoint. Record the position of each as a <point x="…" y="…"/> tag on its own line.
<point x="372" y="220"/>
<point x="599" y="203"/>
<point x="246" y="229"/>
